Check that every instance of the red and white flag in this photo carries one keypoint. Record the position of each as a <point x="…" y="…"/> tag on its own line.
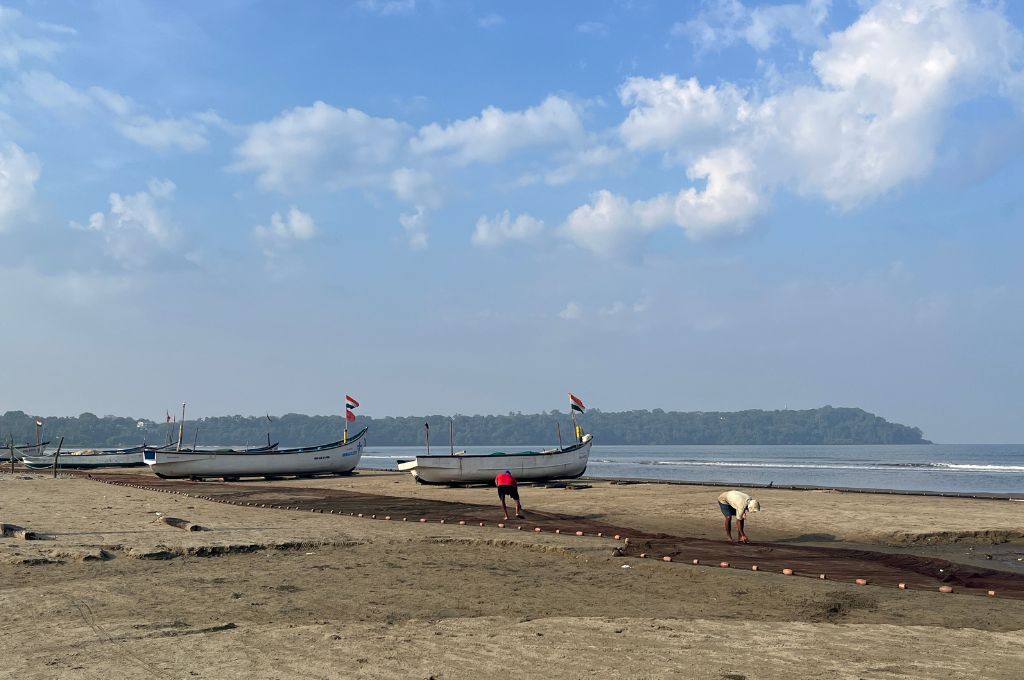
<point x="350" y="403"/>
<point x="350" y="417"/>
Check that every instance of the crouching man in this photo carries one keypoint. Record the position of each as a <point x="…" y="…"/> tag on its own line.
<point x="737" y="504"/>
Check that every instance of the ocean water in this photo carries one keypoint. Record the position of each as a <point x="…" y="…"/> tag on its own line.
<point x="961" y="468"/>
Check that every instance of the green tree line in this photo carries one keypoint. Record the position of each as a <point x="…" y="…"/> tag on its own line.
<point x="825" y="425"/>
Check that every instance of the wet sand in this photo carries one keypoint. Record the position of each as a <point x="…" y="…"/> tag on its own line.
<point x="294" y="593"/>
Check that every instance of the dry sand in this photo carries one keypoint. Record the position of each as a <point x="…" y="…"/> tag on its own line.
<point x="281" y="594"/>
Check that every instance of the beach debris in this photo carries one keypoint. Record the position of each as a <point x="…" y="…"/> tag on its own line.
<point x="183" y="524"/>
<point x="822" y="576"/>
<point x="616" y="537"/>
<point x="902" y="586"/>
<point x="617" y="552"/>
<point x="462" y="522"/>
<point x="537" y="529"/>
<point x="643" y="554"/>
<point x="787" y="571"/>
<point x="666" y="558"/>
<point x="991" y="593"/>
<point x="861" y="581"/>
<point x="500" y="525"/>
<point x="423" y="519"/>
<point x="753" y="567"/>
<point x="696" y="561"/>
<point x="723" y="564"/>
<point x="14" y="531"/>
<point x="945" y="589"/>
<point x="626" y="566"/>
<point x="579" y="533"/>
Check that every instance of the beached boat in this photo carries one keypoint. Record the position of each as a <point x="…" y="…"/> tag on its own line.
<point x="460" y="468"/>
<point x="337" y="458"/>
<point x="87" y="459"/>
<point x="22" y="451"/>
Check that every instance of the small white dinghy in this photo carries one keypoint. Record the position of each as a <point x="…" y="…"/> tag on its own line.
<point x="462" y="468"/>
<point x="336" y="458"/>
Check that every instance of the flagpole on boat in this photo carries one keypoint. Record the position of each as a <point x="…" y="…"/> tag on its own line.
<point x="427" y="427"/>
<point x="451" y="435"/>
<point x="558" y="428"/>
<point x="181" y="426"/>
<point x="268" y="429"/>
<point x="575" y="427"/>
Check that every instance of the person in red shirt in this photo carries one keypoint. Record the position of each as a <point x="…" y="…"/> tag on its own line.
<point x="507" y="486"/>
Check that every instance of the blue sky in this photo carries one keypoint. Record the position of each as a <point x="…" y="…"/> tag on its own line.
<point x="459" y="207"/>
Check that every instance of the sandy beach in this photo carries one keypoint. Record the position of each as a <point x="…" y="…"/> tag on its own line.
<point x="273" y="593"/>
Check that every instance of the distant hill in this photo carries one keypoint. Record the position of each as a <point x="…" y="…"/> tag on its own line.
<point x="825" y="425"/>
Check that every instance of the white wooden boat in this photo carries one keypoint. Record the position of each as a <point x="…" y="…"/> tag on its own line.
<point x="88" y="459"/>
<point x="337" y="458"/>
<point x="22" y="451"/>
<point x="562" y="463"/>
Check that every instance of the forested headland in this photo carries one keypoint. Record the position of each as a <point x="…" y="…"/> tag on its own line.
<point x="825" y="425"/>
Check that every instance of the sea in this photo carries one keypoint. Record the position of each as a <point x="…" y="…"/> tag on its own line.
<point x="949" y="468"/>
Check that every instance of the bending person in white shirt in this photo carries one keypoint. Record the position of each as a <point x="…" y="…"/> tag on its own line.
<point x="737" y="504"/>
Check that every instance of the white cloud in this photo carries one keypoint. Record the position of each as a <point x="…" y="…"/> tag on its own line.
<point x="595" y="28"/>
<point x="592" y="160"/>
<point x="492" y="233"/>
<point x="183" y="133"/>
<point x="607" y="223"/>
<point x="490" y="21"/>
<point x="724" y="22"/>
<point x="388" y="7"/>
<point x="44" y="90"/>
<point x="19" y="172"/>
<point x="571" y="312"/>
<point x="283" y="231"/>
<point x="667" y="113"/>
<point x="297" y="226"/>
<point x="415" y="225"/>
<point x="56" y="28"/>
<point x="416" y="186"/>
<point x="495" y="133"/>
<point x="729" y="199"/>
<point x="16" y="46"/>
<point x="873" y="121"/>
<point x="320" y="145"/>
<point x="136" y="230"/>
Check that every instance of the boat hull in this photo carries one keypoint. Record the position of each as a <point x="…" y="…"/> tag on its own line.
<point x="22" y="451"/>
<point x="86" y="462"/>
<point x="566" y="463"/>
<point x="335" y="458"/>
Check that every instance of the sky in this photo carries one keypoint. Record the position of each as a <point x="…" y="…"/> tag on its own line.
<point x="455" y="207"/>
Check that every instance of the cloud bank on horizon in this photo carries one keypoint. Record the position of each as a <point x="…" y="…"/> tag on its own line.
<point x="741" y="117"/>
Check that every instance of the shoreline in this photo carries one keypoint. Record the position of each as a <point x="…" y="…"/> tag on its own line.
<point x="786" y="487"/>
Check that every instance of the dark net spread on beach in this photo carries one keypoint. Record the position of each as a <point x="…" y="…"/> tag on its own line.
<point x="838" y="564"/>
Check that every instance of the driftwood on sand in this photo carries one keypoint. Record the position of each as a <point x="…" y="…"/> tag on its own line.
<point x="181" y="524"/>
